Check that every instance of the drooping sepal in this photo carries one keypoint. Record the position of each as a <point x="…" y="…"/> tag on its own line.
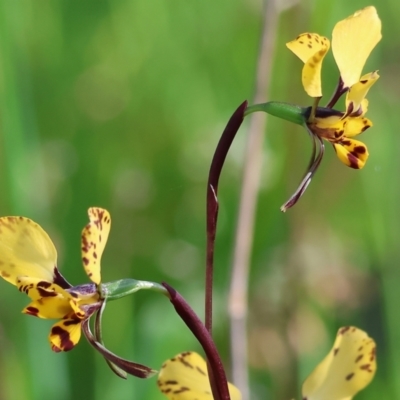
<point x="131" y="368"/>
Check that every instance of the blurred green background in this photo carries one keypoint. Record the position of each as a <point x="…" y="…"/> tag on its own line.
<point x="120" y="104"/>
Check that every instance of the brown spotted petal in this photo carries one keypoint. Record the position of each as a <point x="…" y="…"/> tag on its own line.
<point x="356" y="125"/>
<point x="49" y="307"/>
<point x="65" y="334"/>
<point x="37" y="288"/>
<point x="138" y="370"/>
<point x="351" y="152"/>
<point x="185" y="377"/>
<point x="358" y="91"/>
<point x="348" y="368"/>
<point x="311" y="48"/>
<point x="94" y="239"/>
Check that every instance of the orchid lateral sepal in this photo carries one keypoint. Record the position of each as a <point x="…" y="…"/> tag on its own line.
<point x="124" y="287"/>
<point x="99" y="337"/>
<point x="138" y="370"/>
<point x="286" y="111"/>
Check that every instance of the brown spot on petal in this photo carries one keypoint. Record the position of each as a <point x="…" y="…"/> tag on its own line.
<point x="32" y="311"/>
<point x="359" y="358"/>
<point x="335" y="351"/>
<point x="353" y="161"/>
<point x="181" y="390"/>
<point x="85" y="260"/>
<point x="365" y="127"/>
<point x="201" y="371"/>
<point x="349" y="376"/>
<point x="186" y="363"/>
<point x="66" y="342"/>
<point x="360" y="150"/>
<point x="366" y="367"/>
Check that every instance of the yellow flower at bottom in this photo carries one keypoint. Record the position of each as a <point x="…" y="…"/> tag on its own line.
<point x="185" y="377"/>
<point x="348" y="368"/>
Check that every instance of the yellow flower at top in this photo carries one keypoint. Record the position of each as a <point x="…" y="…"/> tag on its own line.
<point x="347" y="369"/>
<point x="353" y="39"/>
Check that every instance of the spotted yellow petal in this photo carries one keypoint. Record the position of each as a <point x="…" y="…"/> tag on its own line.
<point x="358" y="91"/>
<point x="348" y="368"/>
<point x="36" y="288"/>
<point x="353" y="39"/>
<point x="352" y="152"/>
<point x="25" y="249"/>
<point x="356" y="125"/>
<point x="94" y="239"/>
<point x="65" y="334"/>
<point x="311" y="49"/>
<point x="49" y="308"/>
<point x="185" y="377"/>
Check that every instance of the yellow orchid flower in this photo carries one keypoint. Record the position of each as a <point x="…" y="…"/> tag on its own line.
<point x="28" y="260"/>
<point x="348" y="368"/>
<point x="353" y="39"/>
<point x="185" y="377"/>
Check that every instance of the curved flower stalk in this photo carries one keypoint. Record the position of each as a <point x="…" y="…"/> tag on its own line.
<point x="347" y="369"/>
<point x="28" y="260"/>
<point x="353" y="39"/>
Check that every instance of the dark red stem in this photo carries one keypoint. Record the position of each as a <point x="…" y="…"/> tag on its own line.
<point x="218" y="381"/>
<point x="217" y="163"/>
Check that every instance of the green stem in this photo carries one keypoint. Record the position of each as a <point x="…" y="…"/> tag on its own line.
<point x="289" y="112"/>
<point x="124" y="287"/>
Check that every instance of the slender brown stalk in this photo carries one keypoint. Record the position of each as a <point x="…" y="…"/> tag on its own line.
<point x="217" y="163"/>
<point x="218" y="381"/>
<point x="248" y="201"/>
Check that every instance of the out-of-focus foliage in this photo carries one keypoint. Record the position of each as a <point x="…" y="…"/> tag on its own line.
<point x="120" y="104"/>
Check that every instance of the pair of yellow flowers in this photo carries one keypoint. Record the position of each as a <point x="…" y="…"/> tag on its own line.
<point x="28" y="258"/>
